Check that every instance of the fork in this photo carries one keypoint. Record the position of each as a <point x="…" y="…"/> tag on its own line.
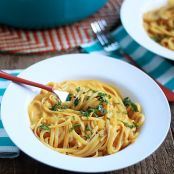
<point x="62" y="95"/>
<point x="111" y="45"/>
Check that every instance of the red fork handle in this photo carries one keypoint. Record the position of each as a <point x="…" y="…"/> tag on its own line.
<point x="15" y="79"/>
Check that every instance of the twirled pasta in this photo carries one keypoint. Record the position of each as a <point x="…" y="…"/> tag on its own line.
<point x="94" y="121"/>
<point x="159" y="25"/>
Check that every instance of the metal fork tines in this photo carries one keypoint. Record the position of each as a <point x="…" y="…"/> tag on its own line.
<point x="99" y="27"/>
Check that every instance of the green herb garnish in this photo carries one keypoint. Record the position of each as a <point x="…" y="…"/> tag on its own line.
<point x="85" y="113"/>
<point x="101" y="109"/>
<point x="131" y="126"/>
<point x="88" y="112"/>
<point x="69" y="97"/>
<point x="56" y="106"/>
<point x="103" y="97"/>
<point x="78" y="89"/>
<point x="44" y="127"/>
<point x="75" y="126"/>
<point x="87" y="136"/>
<point x="76" y="101"/>
<point x="88" y="128"/>
<point x="128" y="103"/>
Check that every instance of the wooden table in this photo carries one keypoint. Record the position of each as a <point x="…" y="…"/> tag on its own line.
<point x="161" y="162"/>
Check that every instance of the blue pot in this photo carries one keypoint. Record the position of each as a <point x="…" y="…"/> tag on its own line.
<point x="46" y="13"/>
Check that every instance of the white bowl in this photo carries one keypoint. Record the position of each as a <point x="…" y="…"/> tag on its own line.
<point x="132" y="20"/>
<point x="131" y="81"/>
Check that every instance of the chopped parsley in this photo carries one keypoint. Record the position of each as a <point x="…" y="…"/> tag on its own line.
<point x="103" y="97"/>
<point x="95" y="111"/>
<point x="87" y="136"/>
<point x="101" y="109"/>
<point x="128" y="103"/>
<point x="76" y="101"/>
<point x="88" y="130"/>
<point x="78" y="89"/>
<point x="131" y="126"/>
<point x="109" y="96"/>
<point x="44" y="127"/>
<point x="69" y="97"/>
<point x="74" y="127"/>
<point x="56" y="106"/>
<point x="86" y="113"/>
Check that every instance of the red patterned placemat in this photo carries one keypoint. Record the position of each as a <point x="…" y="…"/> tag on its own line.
<point x="56" y="39"/>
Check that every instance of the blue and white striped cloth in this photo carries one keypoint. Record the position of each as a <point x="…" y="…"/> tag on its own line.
<point x="7" y="147"/>
<point x="157" y="67"/>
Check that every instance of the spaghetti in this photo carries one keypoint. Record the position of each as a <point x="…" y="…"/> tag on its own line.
<point x="94" y="120"/>
<point x="159" y="25"/>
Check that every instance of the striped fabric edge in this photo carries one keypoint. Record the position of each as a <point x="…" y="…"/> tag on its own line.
<point x="4" y="83"/>
<point x="9" y="152"/>
<point x="7" y="148"/>
<point x="157" y="67"/>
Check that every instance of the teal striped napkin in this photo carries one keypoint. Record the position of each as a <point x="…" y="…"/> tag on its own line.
<point x="157" y="67"/>
<point x="7" y="147"/>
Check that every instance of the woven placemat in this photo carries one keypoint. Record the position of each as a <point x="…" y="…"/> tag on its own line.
<point x="39" y="41"/>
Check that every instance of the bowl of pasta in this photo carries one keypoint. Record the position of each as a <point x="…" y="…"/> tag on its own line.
<point x="152" y="26"/>
<point x="104" y="122"/>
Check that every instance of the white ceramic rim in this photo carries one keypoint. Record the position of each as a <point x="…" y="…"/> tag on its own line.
<point x="108" y="69"/>
<point x="132" y="19"/>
